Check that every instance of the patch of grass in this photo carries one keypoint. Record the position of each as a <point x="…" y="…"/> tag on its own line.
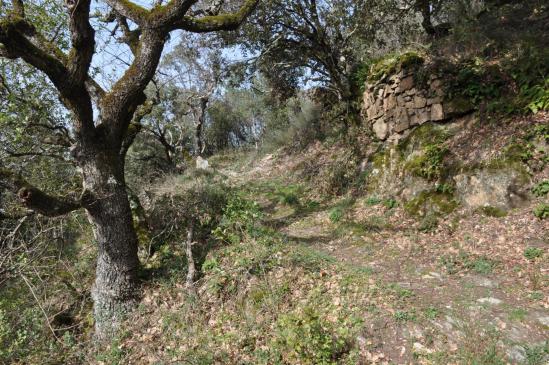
<point x="374" y="223"/>
<point x="310" y="259"/>
<point x="306" y="337"/>
<point x="399" y="291"/>
<point x="532" y="253"/>
<point x="404" y="316"/>
<point x="481" y="347"/>
<point x="541" y="189"/>
<point x="483" y="265"/>
<point x="495" y="212"/>
<point x="444" y="188"/>
<point x="428" y="223"/>
<point x="289" y="195"/>
<point x="542" y="211"/>
<point x="390" y="203"/>
<point x="518" y="314"/>
<point x="336" y="214"/>
<point x="373" y="200"/>
<point x="537" y="354"/>
<point x="465" y="262"/>
<point x="431" y="313"/>
<point x="536" y="295"/>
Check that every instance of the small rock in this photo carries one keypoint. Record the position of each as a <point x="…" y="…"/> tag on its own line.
<point x="420" y="349"/>
<point x="490" y="300"/>
<point x="202" y="164"/>
<point x="437" y="112"/>
<point x="406" y="84"/>
<point x="419" y="102"/>
<point x="483" y="282"/>
<point x="544" y="320"/>
<point x="380" y="129"/>
<point x="516" y="354"/>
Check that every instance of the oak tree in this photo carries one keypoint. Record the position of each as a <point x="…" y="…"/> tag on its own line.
<point x="104" y="122"/>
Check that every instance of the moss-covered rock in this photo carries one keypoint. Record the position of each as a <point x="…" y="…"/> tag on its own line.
<point x="431" y="202"/>
<point x="393" y="64"/>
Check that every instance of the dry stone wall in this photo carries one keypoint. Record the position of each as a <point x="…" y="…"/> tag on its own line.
<point x="397" y="103"/>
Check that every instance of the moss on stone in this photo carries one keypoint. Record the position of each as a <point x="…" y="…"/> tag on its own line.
<point x="431" y="202"/>
<point x="493" y="212"/>
<point x="393" y="64"/>
<point x="426" y="134"/>
<point x="458" y="105"/>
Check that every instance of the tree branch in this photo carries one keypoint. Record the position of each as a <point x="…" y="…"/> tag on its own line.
<point x="82" y="39"/>
<point x="20" y="39"/>
<point x="35" y="199"/>
<point x="213" y="23"/>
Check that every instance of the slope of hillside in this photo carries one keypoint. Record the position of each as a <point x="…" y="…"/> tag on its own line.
<point x="358" y="278"/>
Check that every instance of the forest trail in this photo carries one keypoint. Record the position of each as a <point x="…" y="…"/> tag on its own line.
<point x="467" y="286"/>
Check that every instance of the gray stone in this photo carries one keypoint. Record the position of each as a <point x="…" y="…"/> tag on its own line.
<point x="406" y="84"/>
<point x="516" y="354"/>
<point x="490" y="300"/>
<point x="201" y="163"/>
<point x="437" y="113"/>
<point x="436" y="84"/>
<point x="483" y="282"/>
<point x="411" y="92"/>
<point x="544" y="320"/>
<point x="419" y="102"/>
<point x="380" y="129"/>
<point x="402" y="121"/>
<point x="389" y="103"/>
<point x="435" y="100"/>
<point x="503" y="189"/>
<point x="423" y="117"/>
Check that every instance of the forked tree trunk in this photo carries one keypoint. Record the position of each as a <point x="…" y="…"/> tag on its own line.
<point x="116" y="288"/>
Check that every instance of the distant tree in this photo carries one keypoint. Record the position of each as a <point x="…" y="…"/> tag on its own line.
<point x="195" y="68"/>
<point x="101" y="120"/>
<point x="320" y="42"/>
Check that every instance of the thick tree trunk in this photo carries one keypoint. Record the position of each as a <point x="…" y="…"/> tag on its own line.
<point x="116" y="288"/>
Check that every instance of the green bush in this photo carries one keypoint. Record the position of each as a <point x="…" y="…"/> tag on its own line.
<point x="239" y="216"/>
<point x="532" y="253"/>
<point x="306" y="338"/>
<point x="542" y="211"/>
<point x="336" y="214"/>
<point x="390" y="203"/>
<point x="288" y="195"/>
<point x="541" y="189"/>
<point x="373" y="200"/>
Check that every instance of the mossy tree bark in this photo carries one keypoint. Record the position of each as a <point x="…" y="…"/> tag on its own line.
<point x="100" y="146"/>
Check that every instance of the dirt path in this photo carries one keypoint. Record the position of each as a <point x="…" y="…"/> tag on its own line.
<point x="466" y="284"/>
